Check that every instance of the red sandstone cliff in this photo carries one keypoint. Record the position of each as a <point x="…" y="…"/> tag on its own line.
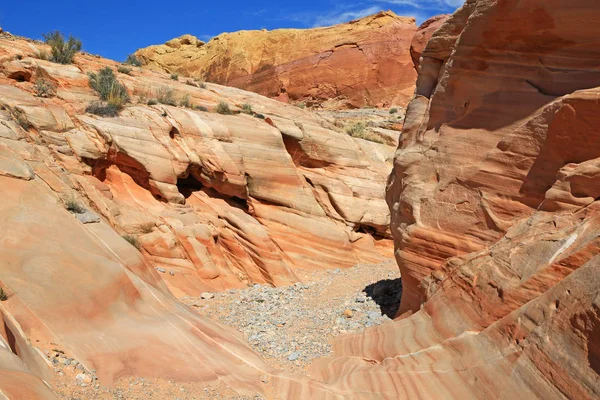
<point x="359" y="63"/>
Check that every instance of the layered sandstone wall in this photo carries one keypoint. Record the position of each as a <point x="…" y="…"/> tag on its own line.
<point x="495" y="213"/>
<point x="355" y="64"/>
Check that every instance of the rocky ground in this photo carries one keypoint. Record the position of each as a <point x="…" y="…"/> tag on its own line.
<point x="288" y="326"/>
<point x="291" y="326"/>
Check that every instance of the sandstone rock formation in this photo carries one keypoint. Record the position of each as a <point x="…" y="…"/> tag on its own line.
<point x="212" y="202"/>
<point x="359" y="63"/>
<point x="423" y="34"/>
<point x="495" y="213"/>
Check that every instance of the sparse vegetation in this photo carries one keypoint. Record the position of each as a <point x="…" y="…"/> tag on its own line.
<point x="201" y="108"/>
<point x="223" y="108"/>
<point x="63" y="50"/>
<point x="43" y="88"/>
<point x="132" y="241"/>
<point x="3" y="294"/>
<point x="152" y="102"/>
<point x="113" y="94"/>
<point x="102" y="109"/>
<point x="247" y="109"/>
<point x="166" y="95"/>
<point x="359" y="130"/>
<point x="259" y="116"/>
<point x="133" y="60"/>
<point x="73" y="206"/>
<point x="124" y="70"/>
<point x="21" y="119"/>
<point x="301" y="105"/>
<point x="43" y="55"/>
<point x="186" y="102"/>
<point x="393" y="110"/>
<point x="146" y="227"/>
<point x="175" y="77"/>
<point x="202" y="85"/>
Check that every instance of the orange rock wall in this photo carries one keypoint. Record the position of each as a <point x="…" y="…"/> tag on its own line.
<point x="359" y="63"/>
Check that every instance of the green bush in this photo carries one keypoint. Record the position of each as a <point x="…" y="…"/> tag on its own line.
<point x="166" y="95"/>
<point x="3" y="294"/>
<point x="259" y="116"/>
<point x="393" y="110"/>
<point x="175" y="77"/>
<point x="223" y="108"/>
<point x="102" y="109"/>
<point x="152" y="102"/>
<point x="133" y="60"/>
<point x="43" y="88"/>
<point x="247" y="109"/>
<point x="63" y="50"/>
<point x="201" y="108"/>
<point x="105" y="83"/>
<point x="124" y="70"/>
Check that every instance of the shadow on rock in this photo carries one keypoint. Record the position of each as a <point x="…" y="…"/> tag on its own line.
<point x="386" y="293"/>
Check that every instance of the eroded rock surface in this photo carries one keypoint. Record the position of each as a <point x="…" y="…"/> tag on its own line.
<point x="210" y="201"/>
<point x="363" y="62"/>
<point x="495" y="215"/>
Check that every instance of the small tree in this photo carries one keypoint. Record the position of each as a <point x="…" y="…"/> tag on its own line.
<point x="63" y="50"/>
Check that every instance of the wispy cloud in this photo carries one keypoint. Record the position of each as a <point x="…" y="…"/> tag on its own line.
<point x="334" y="18"/>
<point x="420" y="9"/>
<point x="426" y="4"/>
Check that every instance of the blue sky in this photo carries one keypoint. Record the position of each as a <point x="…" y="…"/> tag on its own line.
<point x="114" y="29"/>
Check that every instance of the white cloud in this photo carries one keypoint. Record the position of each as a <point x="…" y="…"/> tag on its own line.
<point x="428" y="4"/>
<point x="334" y="18"/>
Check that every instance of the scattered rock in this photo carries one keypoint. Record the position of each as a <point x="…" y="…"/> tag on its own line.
<point x="161" y="270"/>
<point x="207" y="296"/>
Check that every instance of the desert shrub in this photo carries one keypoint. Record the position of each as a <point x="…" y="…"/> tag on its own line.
<point x="124" y="70"/>
<point x="146" y="227"/>
<point x="201" y="108"/>
<point x="202" y="85"/>
<point x="3" y="294"/>
<point x="43" y="88"/>
<point x="72" y="205"/>
<point x="43" y="55"/>
<point x="63" y="50"/>
<point x="223" y="108"/>
<point x="259" y="116"/>
<point x="393" y="110"/>
<point x="359" y="130"/>
<point x="103" y="109"/>
<point x="175" y="77"/>
<point x="247" y="109"/>
<point x="186" y="102"/>
<point x="21" y="119"/>
<point x="133" y="60"/>
<point x="301" y="105"/>
<point x="132" y="241"/>
<point x="107" y="86"/>
<point x="166" y="95"/>
<point x="152" y="102"/>
<point x="356" y="128"/>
